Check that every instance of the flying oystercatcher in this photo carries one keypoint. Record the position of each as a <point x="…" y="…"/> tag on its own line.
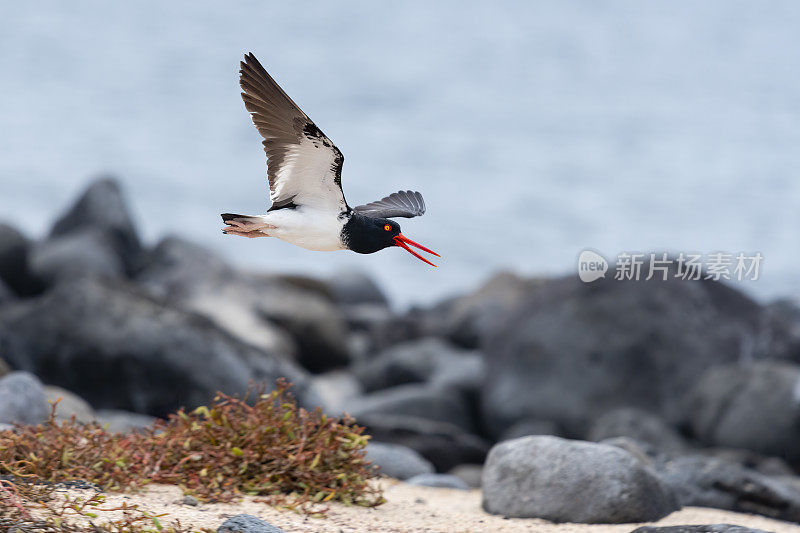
<point x="304" y="169"/>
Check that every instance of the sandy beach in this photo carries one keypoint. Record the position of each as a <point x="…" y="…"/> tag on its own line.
<point x="410" y="509"/>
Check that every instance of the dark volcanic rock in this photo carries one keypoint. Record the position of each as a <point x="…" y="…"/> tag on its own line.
<point x="640" y="425"/>
<point x="175" y="266"/>
<point x="782" y="322"/>
<point x="755" y="407"/>
<point x="77" y="254"/>
<point x="710" y="528"/>
<point x="573" y="350"/>
<point x="353" y="288"/>
<point x="22" y="399"/>
<point x="14" y="248"/>
<point x="335" y="389"/>
<point x="245" y="523"/>
<point x="763" y="464"/>
<point x="571" y="481"/>
<point x="273" y="313"/>
<point x="442" y="481"/>
<point x="96" y="236"/>
<point x="399" y="462"/>
<point x="102" y="207"/>
<point x="122" y="349"/>
<point x="6" y="294"/>
<point x="194" y="278"/>
<point x="469" y="320"/>
<point x="378" y="327"/>
<point x="415" y="400"/>
<point x="419" y="361"/>
<point x="709" y="482"/>
<point x="313" y="323"/>
<point x="411" y="362"/>
<point x="441" y="443"/>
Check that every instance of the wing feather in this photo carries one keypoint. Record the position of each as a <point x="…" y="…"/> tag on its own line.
<point x="405" y="204"/>
<point x="303" y="166"/>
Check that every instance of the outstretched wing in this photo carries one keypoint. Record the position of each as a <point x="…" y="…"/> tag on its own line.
<point x="303" y="165"/>
<point x="400" y="204"/>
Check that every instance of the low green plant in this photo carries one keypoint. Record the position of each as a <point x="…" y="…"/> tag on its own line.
<point x="271" y="448"/>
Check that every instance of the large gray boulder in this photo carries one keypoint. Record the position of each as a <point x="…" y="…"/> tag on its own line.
<point x="194" y="278"/>
<point x="76" y="254"/>
<point x="175" y="266"/>
<point x="125" y="350"/>
<point x="399" y="462"/>
<point x="352" y="287"/>
<point x="572" y="481"/>
<point x="95" y="236"/>
<point x="102" y="207"/>
<point x="710" y="482"/>
<point x="755" y="407"/>
<point x="270" y="312"/>
<point x="573" y="351"/>
<point x="470" y="320"/>
<point x="313" y="322"/>
<point x="22" y="399"/>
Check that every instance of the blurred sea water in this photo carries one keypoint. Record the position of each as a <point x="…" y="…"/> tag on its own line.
<point x="534" y="129"/>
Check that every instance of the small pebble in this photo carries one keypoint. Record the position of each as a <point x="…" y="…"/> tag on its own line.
<point x="190" y="500"/>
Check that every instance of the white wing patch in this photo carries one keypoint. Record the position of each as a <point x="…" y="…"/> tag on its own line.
<point x="303" y="165"/>
<point x="308" y="176"/>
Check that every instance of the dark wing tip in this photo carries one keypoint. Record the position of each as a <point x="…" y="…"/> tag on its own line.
<point x="251" y="62"/>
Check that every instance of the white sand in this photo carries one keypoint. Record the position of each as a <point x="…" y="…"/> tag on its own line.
<point x="409" y="509"/>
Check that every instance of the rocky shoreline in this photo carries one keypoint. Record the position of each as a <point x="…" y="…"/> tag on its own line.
<point x="607" y="402"/>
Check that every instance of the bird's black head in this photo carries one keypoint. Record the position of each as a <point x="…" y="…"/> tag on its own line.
<point x="366" y="235"/>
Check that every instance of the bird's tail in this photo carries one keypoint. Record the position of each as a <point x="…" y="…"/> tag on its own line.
<point x="244" y="223"/>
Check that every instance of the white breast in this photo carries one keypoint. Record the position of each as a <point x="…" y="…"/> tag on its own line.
<point x="307" y="227"/>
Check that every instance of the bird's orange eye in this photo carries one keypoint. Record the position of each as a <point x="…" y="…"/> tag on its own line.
<point x="387" y="227"/>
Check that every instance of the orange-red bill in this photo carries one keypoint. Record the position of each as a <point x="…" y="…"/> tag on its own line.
<point x="403" y="242"/>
